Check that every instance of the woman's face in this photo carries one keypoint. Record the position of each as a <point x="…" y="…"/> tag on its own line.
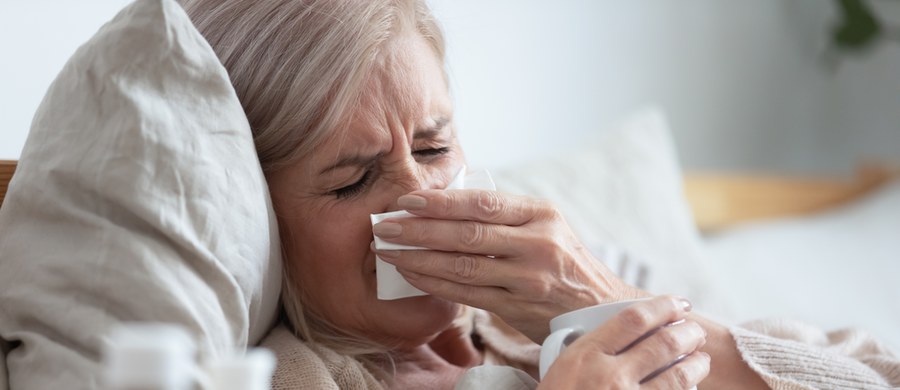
<point x="401" y="138"/>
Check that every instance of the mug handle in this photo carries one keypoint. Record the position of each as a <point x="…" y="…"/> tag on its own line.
<point x="554" y="345"/>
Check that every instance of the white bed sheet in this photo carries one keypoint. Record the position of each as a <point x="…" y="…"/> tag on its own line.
<point x="833" y="270"/>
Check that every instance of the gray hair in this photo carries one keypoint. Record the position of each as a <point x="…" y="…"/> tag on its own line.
<point x="299" y="68"/>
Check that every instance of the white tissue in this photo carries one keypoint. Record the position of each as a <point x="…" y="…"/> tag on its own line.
<point x="392" y="285"/>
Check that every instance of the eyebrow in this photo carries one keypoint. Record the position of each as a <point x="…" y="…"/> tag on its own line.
<point x="357" y="160"/>
<point x="431" y="131"/>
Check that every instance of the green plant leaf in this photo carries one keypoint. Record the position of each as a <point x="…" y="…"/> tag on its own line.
<point x="858" y="28"/>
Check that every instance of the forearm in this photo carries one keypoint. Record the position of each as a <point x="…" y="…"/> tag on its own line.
<point x="727" y="369"/>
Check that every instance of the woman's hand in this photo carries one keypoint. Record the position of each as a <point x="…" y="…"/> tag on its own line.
<point x="636" y="349"/>
<point x="511" y="255"/>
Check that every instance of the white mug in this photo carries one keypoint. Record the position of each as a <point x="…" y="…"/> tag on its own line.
<point x="567" y="327"/>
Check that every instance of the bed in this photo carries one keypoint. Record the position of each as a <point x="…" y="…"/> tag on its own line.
<point x="825" y="252"/>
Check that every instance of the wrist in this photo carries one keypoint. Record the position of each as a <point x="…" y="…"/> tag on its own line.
<point x="728" y="370"/>
<point x="627" y="292"/>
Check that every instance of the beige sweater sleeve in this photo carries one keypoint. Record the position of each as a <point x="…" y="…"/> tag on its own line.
<point x="789" y="355"/>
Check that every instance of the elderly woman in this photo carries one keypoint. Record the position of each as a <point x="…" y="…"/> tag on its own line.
<point x="349" y="105"/>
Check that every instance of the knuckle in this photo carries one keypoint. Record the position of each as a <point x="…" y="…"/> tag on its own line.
<point x="681" y="375"/>
<point x="449" y="203"/>
<point x="489" y="205"/>
<point x="465" y="267"/>
<point x="621" y="381"/>
<point x="697" y="332"/>
<point x="416" y="232"/>
<point x="598" y="349"/>
<point x="539" y="287"/>
<point x="636" y="318"/>
<point x="468" y="294"/>
<point x="548" y="210"/>
<point x="588" y="348"/>
<point x="670" y="341"/>
<point x="473" y="234"/>
<point x="594" y="348"/>
<point x="703" y="366"/>
<point x="546" y="246"/>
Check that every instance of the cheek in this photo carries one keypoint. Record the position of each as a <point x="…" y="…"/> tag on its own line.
<point x="440" y="172"/>
<point x="448" y="167"/>
<point x="332" y="249"/>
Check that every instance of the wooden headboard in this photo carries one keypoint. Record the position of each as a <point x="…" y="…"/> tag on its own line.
<point x="7" y="168"/>
<point x="721" y="200"/>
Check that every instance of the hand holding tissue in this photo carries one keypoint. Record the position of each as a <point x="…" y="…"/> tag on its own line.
<point x="392" y="285"/>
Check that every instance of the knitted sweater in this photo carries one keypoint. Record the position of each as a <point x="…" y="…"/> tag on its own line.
<point x="790" y="355"/>
<point x="786" y="354"/>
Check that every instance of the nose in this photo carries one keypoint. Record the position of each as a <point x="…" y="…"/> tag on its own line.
<point x="418" y="179"/>
<point x="413" y="178"/>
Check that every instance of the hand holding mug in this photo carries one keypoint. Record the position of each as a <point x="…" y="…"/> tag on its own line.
<point x="638" y="344"/>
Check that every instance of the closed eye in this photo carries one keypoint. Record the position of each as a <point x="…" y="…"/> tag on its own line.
<point x="360" y="185"/>
<point x="355" y="188"/>
<point x="432" y="151"/>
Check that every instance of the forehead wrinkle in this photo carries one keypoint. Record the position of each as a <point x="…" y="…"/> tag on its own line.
<point x="394" y="101"/>
<point x="368" y="122"/>
<point x="403" y="82"/>
<point x="362" y="136"/>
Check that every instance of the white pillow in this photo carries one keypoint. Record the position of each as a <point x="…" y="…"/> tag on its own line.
<point x="138" y="197"/>
<point x="832" y="270"/>
<point x="624" y="190"/>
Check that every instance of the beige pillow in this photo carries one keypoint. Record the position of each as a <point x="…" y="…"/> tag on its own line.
<point x="138" y="197"/>
<point x="623" y="190"/>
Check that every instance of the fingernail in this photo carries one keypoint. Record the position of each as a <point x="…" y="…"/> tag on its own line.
<point x="706" y="355"/>
<point x="387" y="229"/>
<point x="685" y="304"/>
<point x="412" y="202"/>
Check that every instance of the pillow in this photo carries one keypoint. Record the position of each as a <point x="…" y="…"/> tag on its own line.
<point x="138" y="197"/>
<point x="833" y="270"/>
<point x="623" y="191"/>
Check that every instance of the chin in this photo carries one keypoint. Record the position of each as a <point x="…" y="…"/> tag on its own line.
<point x="415" y="321"/>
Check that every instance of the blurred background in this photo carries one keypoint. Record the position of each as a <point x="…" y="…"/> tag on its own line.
<point x="750" y="85"/>
<point x="781" y="87"/>
<point x="746" y="84"/>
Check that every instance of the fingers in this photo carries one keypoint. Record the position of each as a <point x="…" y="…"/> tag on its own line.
<point x="631" y="324"/>
<point x="652" y="344"/>
<point x="684" y="375"/>
<point x="475" y="205"/>
<point x="456" y="267"/>
<point x="663" y="347"/>
<point x="451" y="236"/>
<point x="461" y="293"/>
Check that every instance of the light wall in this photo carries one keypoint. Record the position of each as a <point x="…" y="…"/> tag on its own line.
<point x="743" y="81"/>
<point x="37" y="37"/>
<point x="746" y="83"/>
